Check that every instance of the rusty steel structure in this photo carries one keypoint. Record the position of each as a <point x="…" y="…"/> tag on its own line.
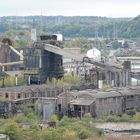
<point x="40" y="64"/>
<point x="10" y="58"/>
<point x="44" y="60"/>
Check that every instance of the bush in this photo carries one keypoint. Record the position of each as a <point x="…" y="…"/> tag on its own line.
<point x="21" y="119"/>
<point x="12" y="129"/>
<point x="32" y="117"/>
<point x="54" y="118"/>
<point x="26" y="110"/>
<point x="51" y="134"/>
<point x="84" y="134"/>
<point x="72" y="79"/>
<point x="105" y="87"/>
<point x="68" y="121"/>
<point x="69" y="135"/>
<point x="112" y="118"/>
<point x="126" y="118"/>
<point x="137" y="116"/>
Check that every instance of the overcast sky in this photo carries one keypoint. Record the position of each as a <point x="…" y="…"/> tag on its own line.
<point x="108" y="8"/>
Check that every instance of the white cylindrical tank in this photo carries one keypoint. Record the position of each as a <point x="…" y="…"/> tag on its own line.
<point x="94" y="53"/>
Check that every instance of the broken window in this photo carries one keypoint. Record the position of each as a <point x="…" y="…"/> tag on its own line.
<point x="59" y="107"/>
<point x="6" y="95"/>
<point x="18" y="96"/>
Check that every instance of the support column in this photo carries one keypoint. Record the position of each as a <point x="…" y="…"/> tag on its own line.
<point x="115" y="79"/>
<point x="110" y="78"/>
<point x="3" y="68"/>
<point x="120" y="79"/>
<point x="123" y="78"/>
<point x="128" y="78"/>
<point x="16" y="79"/>
<point x="100" y="81"/>
<point x="29" y="80"/>
<point x="106" y="77"/>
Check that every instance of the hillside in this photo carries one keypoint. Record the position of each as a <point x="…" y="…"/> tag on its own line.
<point x="75" y="26"/>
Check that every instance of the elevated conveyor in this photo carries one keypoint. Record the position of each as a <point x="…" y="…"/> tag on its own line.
<point x="60" y="51"/>
<point x="11" y="63"/>
<point x="57" y="50"/>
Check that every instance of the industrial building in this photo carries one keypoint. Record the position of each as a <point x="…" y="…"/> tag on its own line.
<point x="40" y="64"/>
<point x="44" y="60"/>
<point x="114" y="101"/>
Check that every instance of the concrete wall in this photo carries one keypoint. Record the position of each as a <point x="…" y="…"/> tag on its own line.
<point x="46" y="109"/>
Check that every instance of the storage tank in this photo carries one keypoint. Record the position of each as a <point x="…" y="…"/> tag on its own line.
<point x="94" y="53"/>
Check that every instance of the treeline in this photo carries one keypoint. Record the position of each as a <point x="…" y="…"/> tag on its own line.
<point x="75" y="26"/>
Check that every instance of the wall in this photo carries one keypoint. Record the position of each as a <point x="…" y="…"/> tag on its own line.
<point x="108" y="106"/>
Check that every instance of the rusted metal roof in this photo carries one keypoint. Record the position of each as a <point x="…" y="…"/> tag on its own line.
<point x="81" y="101"/>
<point x="109" y="94"/>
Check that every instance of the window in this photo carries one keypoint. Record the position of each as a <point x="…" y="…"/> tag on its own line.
<point x="100" y="101"/>
<point x="114" y="99"/>
<point x="130" y="97"/>
<point x="59" y="107"/>
<point x="105" y="101"/>
<point x="6" y="95"/>
<point x="18" y="96"/>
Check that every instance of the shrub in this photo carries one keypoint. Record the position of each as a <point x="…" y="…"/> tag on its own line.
<point x="54" y="118"/>
<point x="111" y="119"/>
<point x="32" y="117"/>
<point x="105" y="87"/>
<point x="12" y="129"/>
<point x="21" y="119"/>
<point x="26" y="110"/>
<point x="137" y="117"/>
<point x="84" y="134"/>
<point x="51" y="134"/>
<point x="69" y="135"/>
<point x="72" y="79"/>
<point x="125" y="118"/>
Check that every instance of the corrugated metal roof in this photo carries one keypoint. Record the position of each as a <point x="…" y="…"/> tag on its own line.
<point x="81" y="101"/>
<point x="23" y="88"/>
<point x="130" y="92"/>
<point x="107" y="94"/>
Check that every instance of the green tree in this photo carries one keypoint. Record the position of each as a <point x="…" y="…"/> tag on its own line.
<point x="72" y="79"/>
<point x="10" y="81"/>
